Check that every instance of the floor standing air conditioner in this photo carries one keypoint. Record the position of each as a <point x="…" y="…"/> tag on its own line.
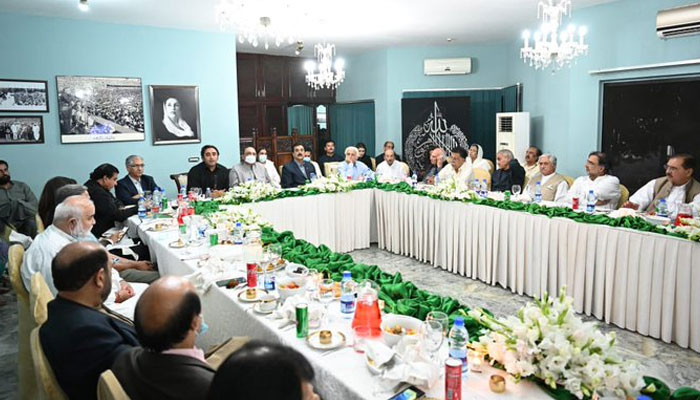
<point x="513" y="132"/>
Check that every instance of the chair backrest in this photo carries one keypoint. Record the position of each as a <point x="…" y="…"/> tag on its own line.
<point x="279" y="169"/>
<point x="109" y="388"/>
<point x="482" y="174"/>
<point x="180" y="180"/>
<point x="569" y="180"/>
<point x="491" y="166"/>
<point x="15" y="258"/>
<point x="331" y="168"/>
<point x="404" y="167"/>
<point x="374" y="163"/>
<point x="39" y="296"/>
<point x="624" y="196"/>
<point x="39" y="224"/>
<point x="47" y="385"/>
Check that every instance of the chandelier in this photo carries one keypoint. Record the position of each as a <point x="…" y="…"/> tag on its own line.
<point x="325" y="77"/>
<point x="253" y="23"/>
<point x="552" y="47"/>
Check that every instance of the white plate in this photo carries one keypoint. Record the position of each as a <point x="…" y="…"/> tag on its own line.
<point x="258" y="293"/>
<point x="178" y="244"/>
<point x="337" y="340"/>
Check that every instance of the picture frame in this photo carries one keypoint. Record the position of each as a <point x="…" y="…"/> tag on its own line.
<point x="21" y="129"/>
<point x="100" y="109"/>
<point x="174" y="114"/>
<point x="20" y="95"/>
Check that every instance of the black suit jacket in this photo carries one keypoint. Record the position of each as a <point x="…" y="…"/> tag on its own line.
<point x="126" y="189"/>
<point x="292" y="176"/>
<point x="108" y="209"/>
<point x="147" y="375"/>
<point x="503" y="180"/>
<point x="80" y="343"/>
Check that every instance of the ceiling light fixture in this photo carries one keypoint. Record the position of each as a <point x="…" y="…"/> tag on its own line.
<point x="83" y="5"/>
<point x="253" y="22"/>
<point x="550" y="46"/>
<point x="325" y="77"/>
<point x="300" y="47"/>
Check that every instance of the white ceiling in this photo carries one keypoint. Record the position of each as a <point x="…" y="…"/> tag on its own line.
<point x="353" y="25"/>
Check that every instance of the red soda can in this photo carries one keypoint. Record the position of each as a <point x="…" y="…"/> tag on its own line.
<point x="574" y="203"/>
<point x="180" y="198"/>
<point x="453" y="379"/>
<point x="252" y="276"/>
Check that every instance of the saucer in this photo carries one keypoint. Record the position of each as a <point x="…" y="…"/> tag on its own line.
<point x="257" y="309"/>
<point x="337" y="340"/>
<point x="258" y="293"/>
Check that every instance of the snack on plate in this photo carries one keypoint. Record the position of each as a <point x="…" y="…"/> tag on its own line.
<point x="399" y="330"/>
<point x="325" y="337"/>
<point x="250" y="294"/>
<point x="291" y="286"/>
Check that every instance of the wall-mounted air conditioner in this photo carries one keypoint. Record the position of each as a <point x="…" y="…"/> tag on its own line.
<point x="513" y="133"/>
<point x="447" y="66"/>
<point x="679" y="21"/>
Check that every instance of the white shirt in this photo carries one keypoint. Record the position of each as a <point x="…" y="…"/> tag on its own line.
<point x="272" y="172"/>
<point x="42" y="252"/>
<point x="559" y="196"/>
<point x="137" y="184"/>
<point x="464" y="174"/>
<point x="605" y="187"/>
<point x="317" y="169"/>
<point x="393" y="172"/>
<point x="645" y="195"/>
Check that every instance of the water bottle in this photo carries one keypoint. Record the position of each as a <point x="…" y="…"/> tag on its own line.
<point x="238" y="234"/>
<point x="142" y="207"/>
<point x="347" y="295"/>
<point x="183" y="192"/>
<point x="414" y="180"/>
<point x="538" y="192"/>
<point x="662" y="208"/>
<point x="313" y="177"/>
<point x="458" y="339"/>
<point x="484" y="188"/>
<point x="437" y="179"/>
<point x="208" y="193"/>
<point x="590" y="202"/>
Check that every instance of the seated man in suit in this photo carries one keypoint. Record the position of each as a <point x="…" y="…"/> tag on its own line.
<point x="297" y="172"/>
<point x="131" y="187"/>
<point x="509" y="172"/>
<point x="169" y="366"/>
<point x="81" y="340"/>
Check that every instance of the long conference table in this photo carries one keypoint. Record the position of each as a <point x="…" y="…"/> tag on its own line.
<point x="640" y="281"/>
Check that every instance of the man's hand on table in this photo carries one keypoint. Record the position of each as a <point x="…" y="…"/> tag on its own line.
<point x="125" y="292"/>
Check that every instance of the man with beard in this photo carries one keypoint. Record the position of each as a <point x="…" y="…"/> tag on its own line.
<point x="72" y="222"/>
<point x="18" y="204"/>
<point x="80" y="339"/>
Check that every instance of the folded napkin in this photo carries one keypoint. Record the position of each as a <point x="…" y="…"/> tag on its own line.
<point x="210" y="272"/>
<point x="379" y="352"/>
<point x="412" y="364"/>
<point x="288" y="309"/>
<point x="623" y="212"/>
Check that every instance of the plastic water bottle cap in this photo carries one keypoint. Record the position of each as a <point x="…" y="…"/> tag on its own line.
<point x="238" y="224"/>
<point x="459" y="322"/>
<point x="347" y="274"/>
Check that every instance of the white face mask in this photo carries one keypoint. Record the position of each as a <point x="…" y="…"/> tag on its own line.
<point x="262" y="158"/>
<point x="250" y="159"/>
<point x="307" y="159"/>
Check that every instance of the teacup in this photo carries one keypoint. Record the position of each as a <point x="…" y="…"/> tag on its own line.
<point x="268" y="303"/>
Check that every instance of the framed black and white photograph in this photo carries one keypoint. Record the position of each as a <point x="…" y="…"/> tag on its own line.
<point x="175" y="114"/>
<point x="18" y="95"/>
<point x="21" y="129"/>
<point x="96" y="109"/>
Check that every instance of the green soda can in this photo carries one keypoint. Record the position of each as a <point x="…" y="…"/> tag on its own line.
<point x="213" y="238"/>
<point x="506" y="195"/>
<point x="302" y="311"/>
<point x="164" y="204"/>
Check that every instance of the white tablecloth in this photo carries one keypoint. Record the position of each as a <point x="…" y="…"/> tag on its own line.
<point x="341" y="374"/>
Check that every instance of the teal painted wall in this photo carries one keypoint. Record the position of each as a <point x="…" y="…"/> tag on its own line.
<point x="41" y="48"/>
<point x="383" y="75"/>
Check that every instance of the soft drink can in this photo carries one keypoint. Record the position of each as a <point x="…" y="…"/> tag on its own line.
<point x="302" y="313"/>
<point x="155" y="209"/>
<point x="453" y="379"/>
<point x="180" y="197"/>
<point x="574" y="203"/>
<point x="270" y="282"/>
<point x="164" y="203"/>
<point x="252" y="275"/>
<point x="213" y="238"/>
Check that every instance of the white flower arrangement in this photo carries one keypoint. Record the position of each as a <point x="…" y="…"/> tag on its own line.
<point x="690" y="228"/>
<point x="228" y="217"/>
<point x="330" y="184"/>
<point x="548" y="341"/>
<point x="451" y="189"/>
<point x="249" y="192"/>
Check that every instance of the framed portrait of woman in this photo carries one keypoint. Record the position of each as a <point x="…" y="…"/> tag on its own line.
<point x="175" y="114"/>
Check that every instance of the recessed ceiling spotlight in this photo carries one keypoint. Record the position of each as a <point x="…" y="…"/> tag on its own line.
<point x="83" y="5"/>
<point x="449" y="39"/>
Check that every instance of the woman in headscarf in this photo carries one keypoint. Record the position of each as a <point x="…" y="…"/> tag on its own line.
<point x="172" y="119"/>
<point x="363" y="156"/>
<point x="476" y="158"/>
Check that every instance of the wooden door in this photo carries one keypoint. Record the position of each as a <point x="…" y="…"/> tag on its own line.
<point x="248" y="76"/>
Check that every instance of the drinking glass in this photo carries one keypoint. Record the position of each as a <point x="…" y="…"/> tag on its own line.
<point x="516" y="190"/>
<point x="475" y="185"/>
<point x="441" y="317"/>
<point x="432" y="337"/>
<point x="197" y="191"/>
<point x="276" y="249"/>
<point x="326" y="295"/>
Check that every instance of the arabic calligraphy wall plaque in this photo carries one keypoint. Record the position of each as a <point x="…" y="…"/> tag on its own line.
<point x="430" y="123"/>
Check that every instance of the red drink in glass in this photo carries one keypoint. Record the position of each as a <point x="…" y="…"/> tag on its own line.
<point x="367" y="315"/>
<point x="680" y="217"/>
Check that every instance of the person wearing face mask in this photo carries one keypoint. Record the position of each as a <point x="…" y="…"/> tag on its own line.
<point x="72" y="221"/>
<point x="307" y="158"/>
<point x="169" y="365"/>
<point x="269" y="166"/>
<point x="81" y="338"/>
<point x="248" y="170"/>
<point x="18" y="204"/>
